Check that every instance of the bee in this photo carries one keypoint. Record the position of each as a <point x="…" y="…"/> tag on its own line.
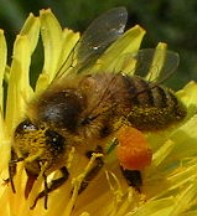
<point x="85" y="110"/>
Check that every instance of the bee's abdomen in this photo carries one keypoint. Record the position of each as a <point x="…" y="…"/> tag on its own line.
<point x="142" y="93"/>
<point x="152" y="107"/>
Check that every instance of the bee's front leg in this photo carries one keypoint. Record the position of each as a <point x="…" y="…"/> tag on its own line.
<point x="12" y="169"/>
<point x="54" y="185"/>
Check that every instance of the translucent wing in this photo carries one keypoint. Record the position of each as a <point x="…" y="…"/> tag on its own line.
<point x="155" y="65"/>
<point x="101" y="33"/>
<point x="98" y="36"/>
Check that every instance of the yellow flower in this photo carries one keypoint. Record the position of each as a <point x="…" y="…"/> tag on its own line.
<point x="170" y="183"/>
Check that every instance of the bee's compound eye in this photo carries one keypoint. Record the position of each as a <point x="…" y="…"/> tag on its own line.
<point x="55" y="140"/>
<point x="25" y="126"/>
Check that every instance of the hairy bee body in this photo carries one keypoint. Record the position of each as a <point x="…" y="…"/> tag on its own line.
<point x="92" y="107"/>
<point x="83" y="111"/>
<point x="106" y="98"/>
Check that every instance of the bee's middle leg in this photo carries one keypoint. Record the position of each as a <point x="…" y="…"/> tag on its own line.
<point x="94" y="170"/>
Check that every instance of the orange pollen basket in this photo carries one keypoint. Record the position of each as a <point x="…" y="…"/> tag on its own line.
<point x="133" y="150"/>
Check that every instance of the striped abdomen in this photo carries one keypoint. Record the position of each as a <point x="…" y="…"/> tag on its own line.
<point x="152" y="107"/>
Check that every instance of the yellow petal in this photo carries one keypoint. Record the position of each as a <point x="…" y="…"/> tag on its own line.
<point x="157" y="62"/>
<point x="3" y="59"/>
<point x="19" y="90"/>
<point x="52" y="38"/>
<point x="57" y="47"/>
<point x="188" y="96"/>
<point x="69" y="41"/>
<point x="31" y="29"/>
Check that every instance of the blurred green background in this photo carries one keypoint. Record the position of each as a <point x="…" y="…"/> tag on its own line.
<point x="170" y="21"/>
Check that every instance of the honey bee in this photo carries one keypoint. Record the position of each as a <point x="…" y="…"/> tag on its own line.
<point x="84" y="110"/>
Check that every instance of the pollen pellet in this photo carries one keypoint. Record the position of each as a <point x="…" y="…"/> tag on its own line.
<point x="133" y="151"/>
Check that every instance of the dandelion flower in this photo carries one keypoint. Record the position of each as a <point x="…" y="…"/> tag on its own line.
<point x="169" y="183"/>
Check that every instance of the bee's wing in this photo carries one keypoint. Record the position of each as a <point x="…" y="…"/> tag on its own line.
<point x="155" y="65"/>
<point x="99" y="35"/>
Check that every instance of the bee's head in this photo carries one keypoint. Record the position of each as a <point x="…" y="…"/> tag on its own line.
<point x="37" y="145"/>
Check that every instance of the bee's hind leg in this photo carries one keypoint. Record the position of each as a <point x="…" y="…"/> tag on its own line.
<point x="94" y="170"/>
<point x="133" y="178"/>
<point x="56" y="183"/>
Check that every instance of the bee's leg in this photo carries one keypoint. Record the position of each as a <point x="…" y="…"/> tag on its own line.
<point x="95" y="169"/>
<point x="133" y="178"/>
<point x="12" y="169"/>
<point x="54" y="185"/>
<point x="31" y="178"/>
<point x="46" y="191"/>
